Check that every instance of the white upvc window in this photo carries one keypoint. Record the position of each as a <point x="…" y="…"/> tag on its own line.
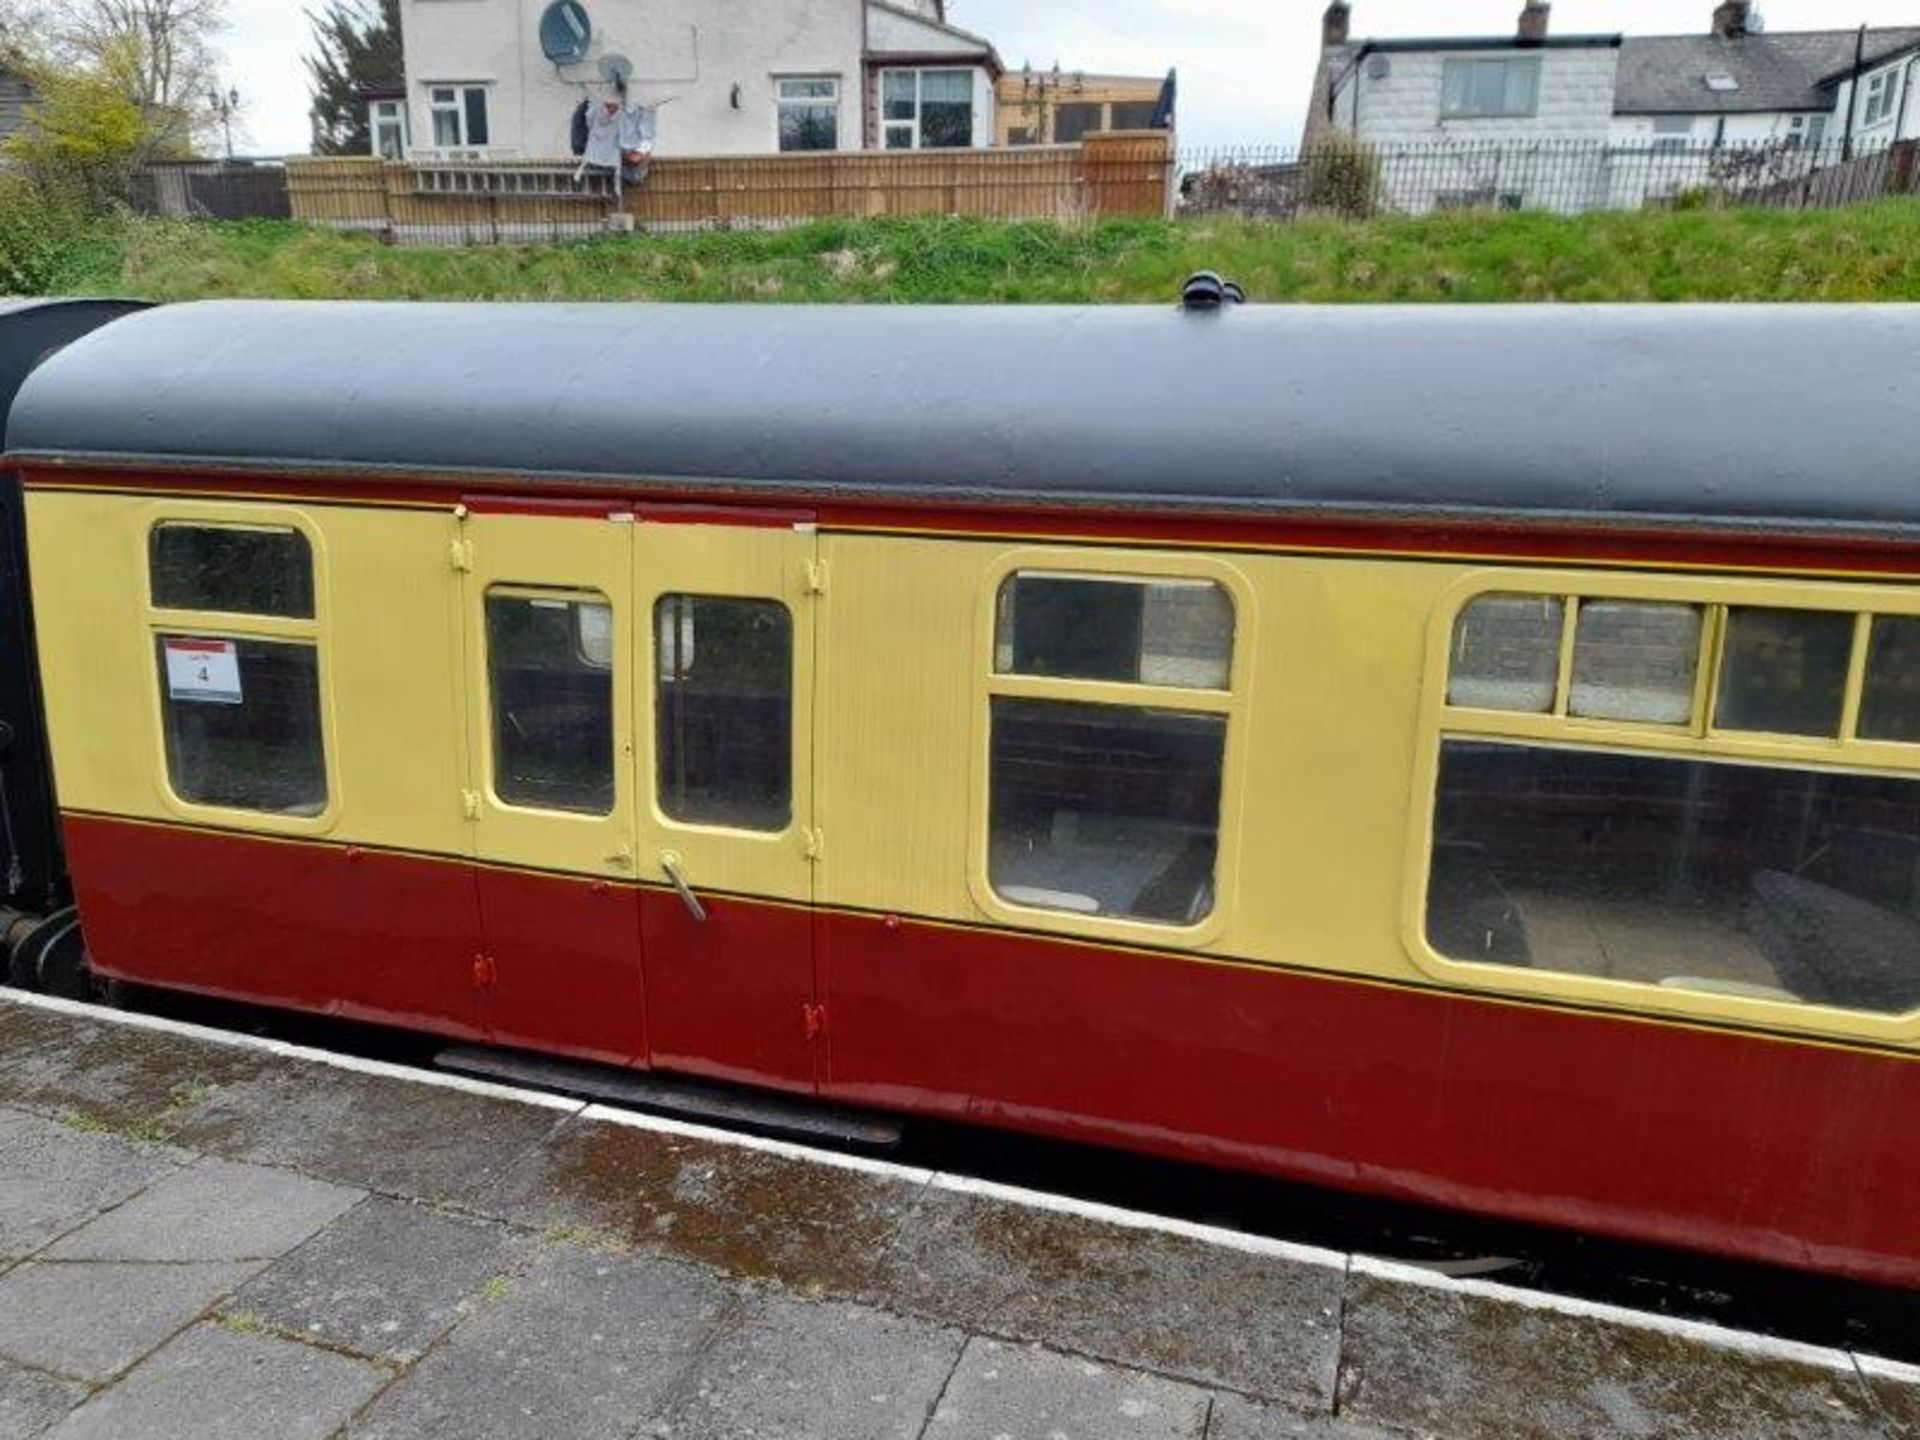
<point x="1882" y="91"/>
<point x="926" y="109"/>
<point x="387" y="123"/>
<point x="808" y="109"/>
<point x="459" y="116"/>
<point x="1484" y="88"/>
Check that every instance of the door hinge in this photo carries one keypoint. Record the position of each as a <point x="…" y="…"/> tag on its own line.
<point x="470" y="804"/>
<point x="462" y="555"/>
<point x="816" y="577"/>
<point x="815" y="1019"/>
<point x="815" y="842"/>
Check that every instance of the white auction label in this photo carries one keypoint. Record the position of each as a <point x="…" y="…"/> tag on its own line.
<point x="207" y="671"/>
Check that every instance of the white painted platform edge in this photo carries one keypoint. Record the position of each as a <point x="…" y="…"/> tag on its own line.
<point x="289" y="1051"/>
<point x="1697" y="1331"/>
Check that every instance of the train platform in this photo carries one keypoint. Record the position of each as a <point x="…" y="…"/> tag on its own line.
<point x="210" y="1235"/>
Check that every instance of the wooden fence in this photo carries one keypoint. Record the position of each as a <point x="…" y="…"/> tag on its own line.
<point x="419" y="202"/>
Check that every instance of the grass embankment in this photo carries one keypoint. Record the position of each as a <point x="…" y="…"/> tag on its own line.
<point x="1868" y="253"/>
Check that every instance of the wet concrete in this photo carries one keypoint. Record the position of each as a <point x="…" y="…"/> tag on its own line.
<point x="194" y="1229"/>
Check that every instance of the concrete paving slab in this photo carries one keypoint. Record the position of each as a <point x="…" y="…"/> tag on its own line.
<point x="376" y="1132"/>
<point x="584" y="1346"/>
<point x="1462" y="1362"/>
<point x="211" y="1210"/>
<point x="212" y="1384"/>
<point x="1239" y="1320"/>
<point x="1026" y="1393"/>
<point x="1235" y="1417"/>
<point x="130" y="1081"/>
<point x="794" y="1370"/>
<point x="1896" y="1395"/>
<point x="387" y="1279"/>
<point x="32" y="1400"/>
<point x="758" y="1215"/>
<point x="92" y="1320"/>
<point x="58" y="1177"/>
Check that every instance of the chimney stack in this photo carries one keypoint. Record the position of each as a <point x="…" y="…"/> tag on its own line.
<point x="1337" y="25"/>
<point x="1730" y="19"/>
<point x="1534" y="20"/>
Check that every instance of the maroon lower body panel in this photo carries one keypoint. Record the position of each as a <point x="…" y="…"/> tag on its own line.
<point x="1789" y="1152"/>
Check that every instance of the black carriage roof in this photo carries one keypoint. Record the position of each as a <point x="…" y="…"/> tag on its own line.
<point x="1802" y="416"/>
<point x="31" y="330"/>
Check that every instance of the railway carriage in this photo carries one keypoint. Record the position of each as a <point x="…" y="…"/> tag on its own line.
<point x="1465" y="755"/>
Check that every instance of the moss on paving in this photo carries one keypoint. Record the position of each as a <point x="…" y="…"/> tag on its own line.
<point x="1870" y="252"/>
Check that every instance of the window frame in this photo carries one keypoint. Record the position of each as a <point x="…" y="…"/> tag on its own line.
<point x="1879" y="98"/>
<point x="382" y="114"/>
<point x="1474" y="63"/>
<point x="915" y="125"/>
<point x="1699" y="740"/>
<point x="617" y="754"/>
<point x="462" y="91"/>
<point x="782" y="101"/>
<point x="1233" y="704"/>
<point x="156" y="622"/>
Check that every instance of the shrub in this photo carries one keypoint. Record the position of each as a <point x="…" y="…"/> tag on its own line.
<point x="1340" y="174"/>
<point x="47" y="243"/>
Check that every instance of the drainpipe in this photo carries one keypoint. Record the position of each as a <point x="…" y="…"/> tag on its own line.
<point x="1853" y="90"/>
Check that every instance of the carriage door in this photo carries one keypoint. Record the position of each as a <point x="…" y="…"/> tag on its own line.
<point x="725" y="607"/>
<point x="550" y="640"/>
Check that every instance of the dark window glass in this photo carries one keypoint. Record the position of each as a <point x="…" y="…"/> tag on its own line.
<point x="898" y="90"/>
<point x="1890" y="707"/>
<point x="1135" y="115"/>
<point x="1107" y="810"/>
<point x="231" y="568"/>
<point x="809" y="127"/>
<point x="476" y="116"/>
<point x="724" y="708"/>
<point x="550" y="663"/>
<point x="243" y="723"/>
<point x="1149" y="632"/>
<point x="1784" y="672"/>
<point x="946" y="109"/>
<point x="1506" y="653"/>
<point x="1071" y="122"/>
<point x="1794" y="885"/>
<point x="1020" y="135"/>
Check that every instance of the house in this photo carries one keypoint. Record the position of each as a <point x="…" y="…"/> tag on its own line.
<point x="1056" y="107"/>
<point x="15" y="96"/>
<point x="743" y="78"/>
<point x="1574" y="122"/>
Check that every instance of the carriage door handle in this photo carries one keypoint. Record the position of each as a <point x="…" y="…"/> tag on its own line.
<point x="670" y="862"/>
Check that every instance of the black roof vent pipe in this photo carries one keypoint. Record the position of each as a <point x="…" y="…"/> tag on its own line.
<point x="1206" y="291"/>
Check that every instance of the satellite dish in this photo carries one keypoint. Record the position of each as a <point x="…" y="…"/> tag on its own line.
<point x="565" y="32"/>
<point x="616" y="70"/>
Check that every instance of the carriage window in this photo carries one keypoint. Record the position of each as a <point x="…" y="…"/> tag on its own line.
<point x="1177" y="633"/>
<point x="242" y="723"/>
<point x="1636" y="661"/>
<point x="1890" y="706"/>
<point x="1784" y="672"/>
<point x="1506" y="653"/>
<point x="549" y="658"/>
<point x="1801" y="886"/>
<point x="723" y="704"/>
<point x="242" y="570"/>
<point x="1109" y="810"/>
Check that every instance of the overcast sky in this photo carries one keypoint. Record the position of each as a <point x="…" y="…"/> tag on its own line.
<point x="1245" y="65"/>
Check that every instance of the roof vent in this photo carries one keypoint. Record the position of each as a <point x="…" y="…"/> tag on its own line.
<point x="1722" y="83"/>
<point x="1206" y="291"/>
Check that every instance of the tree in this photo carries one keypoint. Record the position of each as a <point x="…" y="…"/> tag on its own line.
<point x="356" y="45"/>
<point x="82" y="141"/>
<point x="161" y="55"/>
